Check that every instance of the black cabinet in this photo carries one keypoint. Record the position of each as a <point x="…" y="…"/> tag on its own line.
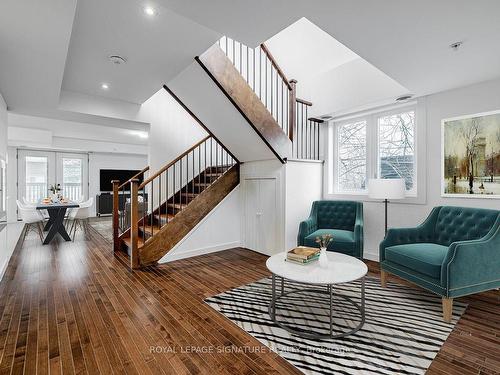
<point x="104" y="204"/>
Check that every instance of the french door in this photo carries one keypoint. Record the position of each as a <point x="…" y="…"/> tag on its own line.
<point x="38" y="170"/>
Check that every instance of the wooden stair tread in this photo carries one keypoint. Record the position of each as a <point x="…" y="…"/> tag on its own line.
<point x="177" y="205"/>
<point x="149" y="229"/>
<point x="128" y="241"/>
<point x="164" y="216"/>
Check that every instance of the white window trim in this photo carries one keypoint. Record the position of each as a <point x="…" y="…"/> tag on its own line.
<point x="416" y="195"/>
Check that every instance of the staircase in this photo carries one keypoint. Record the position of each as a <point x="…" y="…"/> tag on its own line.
<point x="166" y="206"/>
<point x="250" y="111"/>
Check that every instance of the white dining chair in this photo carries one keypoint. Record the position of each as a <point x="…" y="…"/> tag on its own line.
<point x="31" y="218"/>
<point x="79" y="217"/>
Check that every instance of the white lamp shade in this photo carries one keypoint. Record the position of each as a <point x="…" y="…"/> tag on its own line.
<point x="386" y="188"/>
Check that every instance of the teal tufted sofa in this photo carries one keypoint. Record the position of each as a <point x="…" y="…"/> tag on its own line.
<point x="455" y="252"/>
<point x="342" y="219"/>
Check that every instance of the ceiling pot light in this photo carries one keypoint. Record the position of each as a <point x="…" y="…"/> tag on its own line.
<point x="149" y="11"/>
<point x="140" y="134"/>
<point x="104" y="86"/>
<point x="326" y="117"/>
<point x="117" y="59"/>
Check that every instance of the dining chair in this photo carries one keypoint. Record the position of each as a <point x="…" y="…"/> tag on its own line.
<point x="80" y="217"/>
<point x="31" y="218"/>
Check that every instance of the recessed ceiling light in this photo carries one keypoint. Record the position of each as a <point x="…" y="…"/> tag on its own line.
<point x="149" y="11"/>
<point x="139" y="134"/>
<point x="104" y="86"/>
<point x="326" y="117"/>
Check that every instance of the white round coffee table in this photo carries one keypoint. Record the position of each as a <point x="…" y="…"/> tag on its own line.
<point x="337" y="268"/>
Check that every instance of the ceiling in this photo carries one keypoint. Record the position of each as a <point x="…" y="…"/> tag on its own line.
<point x="156" y="48"/>
<point x="53" y="53"/>
<point x="304" y="51"/>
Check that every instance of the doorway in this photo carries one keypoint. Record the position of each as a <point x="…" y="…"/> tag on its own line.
<point x="39" y="170"/>
<point x="261" y="230"/>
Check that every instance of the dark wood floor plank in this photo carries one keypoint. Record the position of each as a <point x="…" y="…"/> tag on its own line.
<point x="77" y="308"/>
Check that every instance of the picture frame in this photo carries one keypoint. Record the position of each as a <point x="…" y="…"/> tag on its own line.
<point x="470" y="156"/>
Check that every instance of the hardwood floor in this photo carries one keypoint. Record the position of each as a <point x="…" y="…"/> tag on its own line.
<point x="76" y="308"/>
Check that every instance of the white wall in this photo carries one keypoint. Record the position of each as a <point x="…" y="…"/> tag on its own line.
<point x="304" y="185"/>
<point x="172" y="130"/>
<point x="3" y="128"/>
<point x="477" y="98"/>
<point x="98" y="161"/>
<point x="219" y="230"/>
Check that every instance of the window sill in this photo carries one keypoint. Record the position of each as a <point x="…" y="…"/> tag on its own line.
<point x="363" y="197"/>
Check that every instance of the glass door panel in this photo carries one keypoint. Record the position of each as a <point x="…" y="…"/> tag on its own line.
<point x="35" y="175"/>
<point x="72" y="174"/>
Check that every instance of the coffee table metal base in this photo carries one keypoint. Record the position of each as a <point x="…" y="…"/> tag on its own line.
<point x="329" y="293"/>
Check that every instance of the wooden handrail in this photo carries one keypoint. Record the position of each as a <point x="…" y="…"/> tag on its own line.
<point x="164" y="168"/>
<point x="302" y="101"/>
<point x="276" y="66"/>
<point x="144" y="170"/>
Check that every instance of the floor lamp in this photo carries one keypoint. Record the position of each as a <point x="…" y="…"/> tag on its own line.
<point x="386" y="189"/>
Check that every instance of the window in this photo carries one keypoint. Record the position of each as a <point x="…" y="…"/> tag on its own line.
<point x="396" y="147"/>
<point x="351" y="143"/>
<point x="379" y="145"/>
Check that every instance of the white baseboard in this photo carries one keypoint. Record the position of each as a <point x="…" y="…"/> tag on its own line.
<point x="201" y="251"/>
<point x="371" y="255"/>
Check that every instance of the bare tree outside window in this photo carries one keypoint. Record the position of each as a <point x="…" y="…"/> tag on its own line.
<point x="397" y="146"/>
<point x="352" y="156"/>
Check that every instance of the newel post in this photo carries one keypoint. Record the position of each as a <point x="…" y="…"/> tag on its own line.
<point x="292" y="109"/>
<point x="134" y="222"/>
<point x="116" y="222"/>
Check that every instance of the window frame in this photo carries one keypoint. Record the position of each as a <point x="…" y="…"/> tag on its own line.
<point x="417" y="194"/>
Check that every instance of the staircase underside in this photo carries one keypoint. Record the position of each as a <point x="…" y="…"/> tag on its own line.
<point x="219" y="96"/>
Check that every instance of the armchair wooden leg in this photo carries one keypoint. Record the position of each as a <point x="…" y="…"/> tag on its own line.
<point x="383" y="278"/>
<point x="447" y="309"/>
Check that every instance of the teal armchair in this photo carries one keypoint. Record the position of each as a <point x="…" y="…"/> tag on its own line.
<point x="342" y="219"/>
<point x="454" y="252"/>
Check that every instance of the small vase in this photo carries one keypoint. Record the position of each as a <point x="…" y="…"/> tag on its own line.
<point x="323" y="258"/>
<point x="54" y="198"/>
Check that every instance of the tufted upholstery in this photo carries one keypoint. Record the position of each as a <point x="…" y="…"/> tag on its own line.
<point x="336" y="214"/>
<point x="462" y="224"/>
<point x="455" y="252"/>
<point x="343" y="219"/>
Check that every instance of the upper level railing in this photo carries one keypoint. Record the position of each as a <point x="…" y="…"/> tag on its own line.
<point x="268" y="81"/>
<point x="264" y="76"/>
<point x="305" y="143"/>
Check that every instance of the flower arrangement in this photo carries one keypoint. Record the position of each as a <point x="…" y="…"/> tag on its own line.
<point x="55" y="188"/>
<point x="324" y="240"/>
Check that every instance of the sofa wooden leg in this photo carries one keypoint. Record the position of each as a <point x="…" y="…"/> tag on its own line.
<point x="447" y="309"/>
<point x="383" y="278"/>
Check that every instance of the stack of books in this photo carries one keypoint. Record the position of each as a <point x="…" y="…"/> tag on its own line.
<point x="303" y="255"/>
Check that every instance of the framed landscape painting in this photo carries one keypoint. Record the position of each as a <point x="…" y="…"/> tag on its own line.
<point x="471" y="156"/>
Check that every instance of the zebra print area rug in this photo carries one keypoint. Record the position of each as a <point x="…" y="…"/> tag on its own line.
<point x="402" y="334"/>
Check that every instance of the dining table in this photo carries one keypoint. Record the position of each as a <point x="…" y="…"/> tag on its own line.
<point x="55" y="223"/>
